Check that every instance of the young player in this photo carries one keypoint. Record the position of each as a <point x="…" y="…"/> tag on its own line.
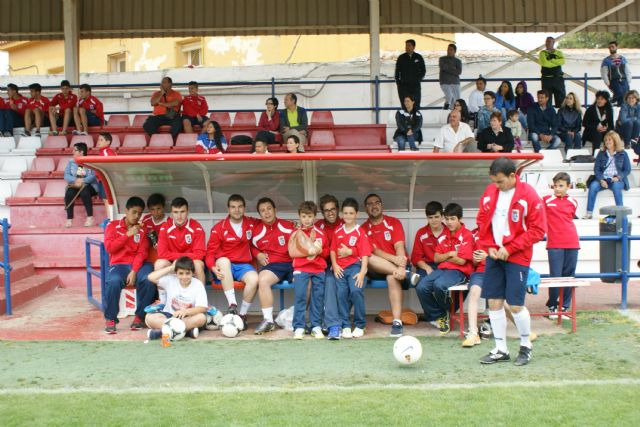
<point x="61" y="108"/>
<point x="350" y="272"/>
<point x="269" y="247"/>
<point x="13" y="114"/>
<point x="229" y="255"/>
<point x="511" y="219"/>
<point x="307" y="269"/>
<point x="127" y="246"/>
<point x="186" y="298"/>
<point x="426" y="240"/>
<point x="153" y="222"/>
<point x="194" y="109"/>
<point x="89" y="112"/>
<point x="36" y="112"/>
<point x="454" y="255"/>
<point x="563" y="243"/>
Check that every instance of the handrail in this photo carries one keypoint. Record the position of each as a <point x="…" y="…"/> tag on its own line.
<point x="6" y="265"/>
<point x="101" y="274"/>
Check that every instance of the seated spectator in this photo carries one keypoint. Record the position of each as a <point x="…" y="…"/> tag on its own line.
<point x="61" y="108"/>
<point x="426" y="240"/>
<point x="570" y="122"/>
<point x="496" y="138"/>
<point x="454" y="137"/>
<point x="82" y="183"/>
<point x="269" y="123"/>
<point x="598" y="120"/>
<point x="293" y="120"/>
<point x="153" y="222"/>
<point x="194" y="109"/>
<point x="461" y="106"/>
<point x="514" y="125"/>
<point x="542" y="123"/>
<point x="630" y="119"/>
<point x="476" y="98"/>
<point x="166" y="109"/>
<point x="505" y="99"/>
<point x="611" y="170"/>
<point x="484" y="113"/>
<point x="409" y="122"/>
<point x="211" y="141"/>
<point x="524" y="100"/>
<point x="260" y="147"/>
<point x="89" y="112"/>
<point x="293" y="144"/>
<point x="13" y="114"/>
<point x="36" y="112"/>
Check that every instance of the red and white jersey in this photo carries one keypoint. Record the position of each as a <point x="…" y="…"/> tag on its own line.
<point x="561" y="230"/>
<point x="41" y="103"/>
<point x="356" y="240"/>
<point x="318" y="264"/>
<point x="151" y="224"/>
<point x="192" y="105"/>
<point x="20" y="104"/>
<point x="175" y="241"/>
<point x="224" y="242"/>
<point x="463" y="243"/>
<point x="329" y="229"/>
<point x="386" y="234"/>
<point x="424" y="245"/>
<point x="94" y="105"/>
<point x="125" y="249"/>
<point x="272" y="240"/>
<point x="64" y="103"/>
<point x="107" y="151"/>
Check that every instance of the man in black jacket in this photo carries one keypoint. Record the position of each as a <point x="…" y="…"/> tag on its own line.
<point x="410" y="71"/>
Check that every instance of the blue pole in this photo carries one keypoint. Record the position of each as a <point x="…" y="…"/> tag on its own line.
<point x="7" y="266"/>
<point x="87" y="260"/>
<point x="586" y="89"/>
<point x="625" y="262"/>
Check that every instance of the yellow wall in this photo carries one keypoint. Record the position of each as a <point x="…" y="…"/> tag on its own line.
<point x="28" y="58"/>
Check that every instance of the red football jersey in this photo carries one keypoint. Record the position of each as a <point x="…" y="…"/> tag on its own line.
<point x="175" y="241"/>
<point x="42" y="103"/>
<point x="94" y="105"/>
<point x="462" y="242"/>
<point x="151" y="224"/>
<point x="385" y="235"/>
<point x="356" y="240"/>
<point x="107" y="151"/>
<point x="561" y="230"/>
<point x="125" y="249"/>
<point x="273" y="240"/>
<point x="224" y="242"/>
<point x="64" y="103"/>
<point x="329" y="230"/>
<point x="317" y="264"/>
<point x="20" y="104"/>
<point x="192" y="105"/>
<point x="424" y="245"/>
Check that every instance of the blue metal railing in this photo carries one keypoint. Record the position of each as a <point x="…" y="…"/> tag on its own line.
<point x="5" y="264"/>
<point x="101" y="274"/>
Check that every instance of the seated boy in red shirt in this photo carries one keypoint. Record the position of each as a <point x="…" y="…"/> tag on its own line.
<point x="61" y="108"/>
<point x="89" y="112"/>
<point x="426" y="240"/>
<point x="194" y="109"/>
<point x="36" y="112"/>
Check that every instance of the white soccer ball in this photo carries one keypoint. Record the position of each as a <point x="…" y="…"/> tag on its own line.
<point x="231" y="325"/>
<point x="213" y="320"/>
<point x="407" y="350"/>
<point x="175" y="328"/>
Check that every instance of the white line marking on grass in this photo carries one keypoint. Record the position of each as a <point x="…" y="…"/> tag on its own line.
<point x="161" y="388"/>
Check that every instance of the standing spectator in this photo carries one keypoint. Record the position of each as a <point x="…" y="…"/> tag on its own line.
<point x="630" y="118"/>
<point x="514" y="125"/>
<point x="616" y="73"/>
<point x="598" y="120"/>
<point x="82" y="183"/>
<point x="13" y="114"/>
<point x="505" y="99"/>
<point x="269" y="123"/>
<point x="476" y="98"/>
<point x="211" y="141"/>
<point x="166" y="109"/>
<point x="524" y="100"/>
<point x="410" y="71"/>
<point x="453" y="137"/>
<point x="542" y="123"/>
<point x="484" y="113"/>
<point x="61" y="108"/>
<point x="89" y="112"/>
<point x="293" y="120"/>
<point x="496" y="138"/>
<point x="450" y="70"/>
<point x="194" y="109"/>
<point x="36" y="112"/>
<point x="570" y="122"/>
<point x="551" y="62"/>
<point x="409" y="121"/>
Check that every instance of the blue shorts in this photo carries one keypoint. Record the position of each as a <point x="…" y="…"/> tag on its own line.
<point x="476" y="279"/>
<point x="506" y="281"/>
<point x="92" y="119"/>
<point x="194" y="120"/>
<point x="238" y="271"/>
<point x="282" y="270"/>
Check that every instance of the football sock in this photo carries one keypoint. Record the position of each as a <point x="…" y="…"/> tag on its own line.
<point x="522" y="320"/>
<point x="398" y="320"/>
<point x="267" y="313"/>
<point x="244" y="308"/>
<point x="231" y="296"/>
<point x="499" y="325"/>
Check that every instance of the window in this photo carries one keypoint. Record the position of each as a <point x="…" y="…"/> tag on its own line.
<point x="192" y="54"/>
<point x="118" y="63"/>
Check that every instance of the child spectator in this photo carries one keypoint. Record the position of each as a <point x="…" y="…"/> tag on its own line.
<point x="127" y="247"/>
<point x="562" y="239"/>
<point x="515" y="126"/>
<point x="61" y="108"/>
<point x="350" y="272"/>
<point x="455" y="257"/>
<point x="82" y="183"/>
<point x="89" y="112"/>
<point x="484" y="113"/>
<point x="309" y="269"/>
<point x="211" y="141"/>
<point x="36" y="112"/>
<point x="194" y="109"/>
<point x="13" y="114"/>
<point x="186" y="298"/>
<point x="426" y="240"/>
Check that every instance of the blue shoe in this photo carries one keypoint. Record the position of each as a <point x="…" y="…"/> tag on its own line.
<point x="154" y="334"/>
<point x="212" y="311"/>
<point x="334" y="333"/>
<point x="154" y="308"/>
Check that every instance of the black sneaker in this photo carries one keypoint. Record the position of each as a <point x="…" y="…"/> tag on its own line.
<point x="396" y="329"/>
<point x="495" y="356"/>
<point x="137" y="324"/>
<point x="193" y="333"/>
<point x="524" y="356"/>
<point x="244" y="322"/>
<point x="233" y="309"/>
<point x="443" y="324"/>
<point x="264" y="327"/>
<point x="110" y="327"/>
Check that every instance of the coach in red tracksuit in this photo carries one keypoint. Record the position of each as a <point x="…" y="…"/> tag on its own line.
<point x="511" y="219"/>
<point x="128" y="246"/>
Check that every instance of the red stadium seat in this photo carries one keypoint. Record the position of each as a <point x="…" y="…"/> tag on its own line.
<point x="186" y="143"/>
<point x="138" y="120"/>
<point x="40" y="168"/>
<point x="245" y="148"/>
<point x="133" y="143"/>
<point x="61" y="166"/>
<point x="244" y="119"/>
<point x="54" y="144"/>
<point x="231" y="134"/>
<point x="118" y="121"/>
<point x="87" y="139"/>
<point x="160" y="143"/>
<point x="25" y="194"/>
<point x="223" y="119"/>
<point x="322" y="140"/>
<point x="53" y="192"/>
<point x="321" y="118"/>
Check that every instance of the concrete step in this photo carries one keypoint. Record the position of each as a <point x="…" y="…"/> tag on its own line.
<point x="21" y="269"/>
<point x="16" y="252"/>
<point x="25" y="290"/>
<point x="58" y="242"/>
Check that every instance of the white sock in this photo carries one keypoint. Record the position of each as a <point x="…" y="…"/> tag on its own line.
<point x="244" y="308"/>
<point x="267" y="313"/>
<point x="398" y="320"/>
<point x="499" y="325"/>
<point x="522" y="320"/>
<point x="231" y="296"/>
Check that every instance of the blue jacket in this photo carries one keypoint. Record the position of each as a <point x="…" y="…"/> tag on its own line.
<point x="503" y="104"/>
<point x="71" y="171"/>
<point x="545" y="122"/>
<point x="629" y="113"/>
<point x="303" y="122"/>
<point x="622" y="162"/>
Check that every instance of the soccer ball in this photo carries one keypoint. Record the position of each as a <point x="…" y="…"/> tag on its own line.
<point x="214" y="319"/>
<point x="175" y="328"/>
<point x="231" y="325"/>
<point x="407" y="350"/>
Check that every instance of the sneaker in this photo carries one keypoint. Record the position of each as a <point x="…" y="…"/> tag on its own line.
<point x="346" y="333"/>
<point x="84" y="133"/>
<point x="589" y="215"/>
<point x="552" y="315"/>
<point x="63" y="132"/>
<point x="316" y="332"/>
<point x="233" y="309"/>
<point x="412" y="278"/>
<point x="357" y="333"/>
<point x="89" y="222"/>
<point x="298" y="334"/>
<point x="54" y="133"/>
<point x="495" y="356"/>
<point x="154" y="308"/>
<point x="193" y="333"/>
<point x="154" y="334"/>
<point x="334" y="333"/>
<point x="443" y="325"/>
<point x="69" y="223"/>
<point x="264" y="327"/>
<point x="524" y="356"/>
<point x="485" y="331"/>
<point x="76" y="132"/>
<point x="137" y="324"/>
<point x="7" y="134"/>
<point x="37" y="133"/>
<point x="25" y="133"/>
<point x="564" y="313"/>
<point x="471" y="340"/>
<point x="396" y="329"/>
<point x="110" y="327"/>
<point x="434" y="323"/>
<point x="245" y="323"/>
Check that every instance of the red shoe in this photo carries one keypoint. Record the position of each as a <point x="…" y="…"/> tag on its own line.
<point x="137" y="324"/>
<point x="110" y="327"/>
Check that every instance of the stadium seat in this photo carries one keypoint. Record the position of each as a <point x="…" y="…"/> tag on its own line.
<point x="26" y="193"/>
<point x="578" y="152"/>
<point x="160" y="143"/>
<point x="87" y="139"/>
<point x="244" y="119"/>
<point x="552" y="157"/>
<point x="245" y="148"/>
<point x="5" y="191"/>
<point x="54" y="144"/>
<point x="229" y="135"/>
<point x="7" y="143"/>
<point x="133" y="143"/>
<point x="185" y="143"/>
<point x="321" y="118"/>
<point x="138" y="120"/>
<point x="13" y="167"/>
<point x="322" y="140"/>
<point x="120" y="121"/>
<point x="53" y="192"/>
<point x="61" y="166"/>
<point x="40" y="168"/>
<point x="28" y="145"/>
<point x="223" y="119"/>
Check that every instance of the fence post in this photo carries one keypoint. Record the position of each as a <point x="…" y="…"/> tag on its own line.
<point x="273" y="87"/>
<point x="376" y="96"/>
<point x="7" y="266"/>
<point x="624" y="273"/>
<point x="586" y="90"/>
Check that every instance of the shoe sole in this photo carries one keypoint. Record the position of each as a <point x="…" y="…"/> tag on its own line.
<point x="494" y="361"/>
<point x="110" y="332"/>
<point x="135" y="328"/>
<point x="333" y="338"/>
<point x="262" y="332"/>
<point x="396" y="335"/>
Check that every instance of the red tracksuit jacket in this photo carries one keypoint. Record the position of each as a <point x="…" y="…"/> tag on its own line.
<point x="177" y="241"/>
<point x="125" y="249"/>
<point x="224" y="242"/>
<point x="424" y="245"/>
<point x="272" y="240"/>
<point x="319" y="263"/>
<point x="462" y="242"/>
<point x="561" y="230"/>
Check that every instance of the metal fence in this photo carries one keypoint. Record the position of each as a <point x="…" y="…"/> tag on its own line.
<point x="6" y="265"/>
